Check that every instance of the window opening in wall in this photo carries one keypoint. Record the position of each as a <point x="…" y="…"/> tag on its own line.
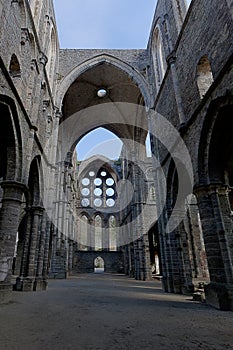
<point x="112" y="233"/>
<point x="98" y="189"/>
<point x="99" y="141"/>
<point x="148" y="146"/>
<point x="158" y="58"/>
<point x="14" y="67"/>
<point x="98" y="232"/>
<point x="204" y="76"/>
<point x="99" y="265"/>
<point x="83" y="233"/>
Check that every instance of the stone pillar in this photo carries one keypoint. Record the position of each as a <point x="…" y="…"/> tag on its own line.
<point x="125" y="250"/>
<point x="40" y="282"/>
<point x="24" y="262"/>
<point x="70" y="257"/>
<point x="9" y="221"/>
<point x="29" y="280"/>
<point x="47" y="250"/>
<point x="200" y="266"/>
<point x="137" y="275"/>
<point x="181" y="258"/>
<point x="215" y="213"/>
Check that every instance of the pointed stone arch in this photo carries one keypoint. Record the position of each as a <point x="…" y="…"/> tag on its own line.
<point x="204" y="75"/>
<point x="14" y="67"/>
<point x="11" y="133"/>
<point x="135" y="75"/>
<point x="99" y="265"/>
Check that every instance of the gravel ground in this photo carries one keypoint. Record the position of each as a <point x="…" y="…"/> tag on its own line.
<point x="102" y="311"/>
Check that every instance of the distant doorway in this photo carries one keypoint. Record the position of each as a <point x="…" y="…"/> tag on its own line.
<point x="99" y="265"/>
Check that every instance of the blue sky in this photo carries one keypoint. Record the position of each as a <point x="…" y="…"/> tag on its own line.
<point x="112" y="24"/>
<point x="104" y="23"/>
<point x="109" y="24"/>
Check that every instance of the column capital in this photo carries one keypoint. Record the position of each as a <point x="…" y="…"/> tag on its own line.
<point x="211" y="188"/>
<point x="35" y="210"/>
<point x="13" y="190"/>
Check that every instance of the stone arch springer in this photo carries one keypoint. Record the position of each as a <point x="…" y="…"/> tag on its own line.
<point x="95" y="61"/>
<point x="209" y="122"/>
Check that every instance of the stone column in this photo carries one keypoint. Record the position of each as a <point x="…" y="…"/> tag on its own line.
<point x="23" y="268"/>
<point x="181" y="258"/>
<point x="70" y="257"/>
<point x="147" y="272"/>
<point x="49" y="231"/>
<point x="9" y="221"/>
<point x="200" y="266"/>
<point x="41" y="283"/>
<point x="29" y="280"/>
<point x="215" y="213"/>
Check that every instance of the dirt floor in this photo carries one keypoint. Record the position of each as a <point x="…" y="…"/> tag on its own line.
<point x="102" y="311"/>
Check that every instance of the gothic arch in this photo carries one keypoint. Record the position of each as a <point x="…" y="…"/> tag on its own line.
<point x="11" y="141"/>
<point x="14" y="67"/>
<point x="35" y="183"/>
<point x="210" y="146"/>
<point x="51" y="54"/>
<point x="95" y="61"/>
<point x="158" y="56"/>
<point x="204" y="75"/>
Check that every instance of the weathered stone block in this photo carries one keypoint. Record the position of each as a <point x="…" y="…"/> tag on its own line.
<point x="219" y="296"/>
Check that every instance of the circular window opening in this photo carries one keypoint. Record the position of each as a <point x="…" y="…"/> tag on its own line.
<point x="110" y="202"/>
<point x="109" y="182"/>
<point x="103" y="173"/>
<point x="85" y="192"/>
<point x="101" y="93"/>
<point x="98" y="202"/>
<point x="91" y="173"/>
<point x="110" y="192"/>
<point x="97" y="192"/>
<point x="85" y="202"/>
<point x="85" y="181"/>
<point x="97" y="181"/>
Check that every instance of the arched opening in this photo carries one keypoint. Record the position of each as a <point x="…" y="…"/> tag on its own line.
<point x="34" y="183"/>
<point x="158" y="58"/>
<point x="28" y="242"/>
<point x="102" y="99"/>
<point x="99" y="265"/>
<point x="112" y="233"/>
<point x="51" y="54"/>
<point x="204" y="76"/>
<point x="8" y="159"/>
<point x="19" y="248"/>
<point x="215" y="177"/>
<point x="148" y="146"/>
<point x="220" y="162"/>
<point x="98" y="233"/>
<point x="99" y="141"/>
<point x="83" y="233"/>
<point x="155" y="255"/>
<point x="14" y="67"/>
<point x="97" y="185"/>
